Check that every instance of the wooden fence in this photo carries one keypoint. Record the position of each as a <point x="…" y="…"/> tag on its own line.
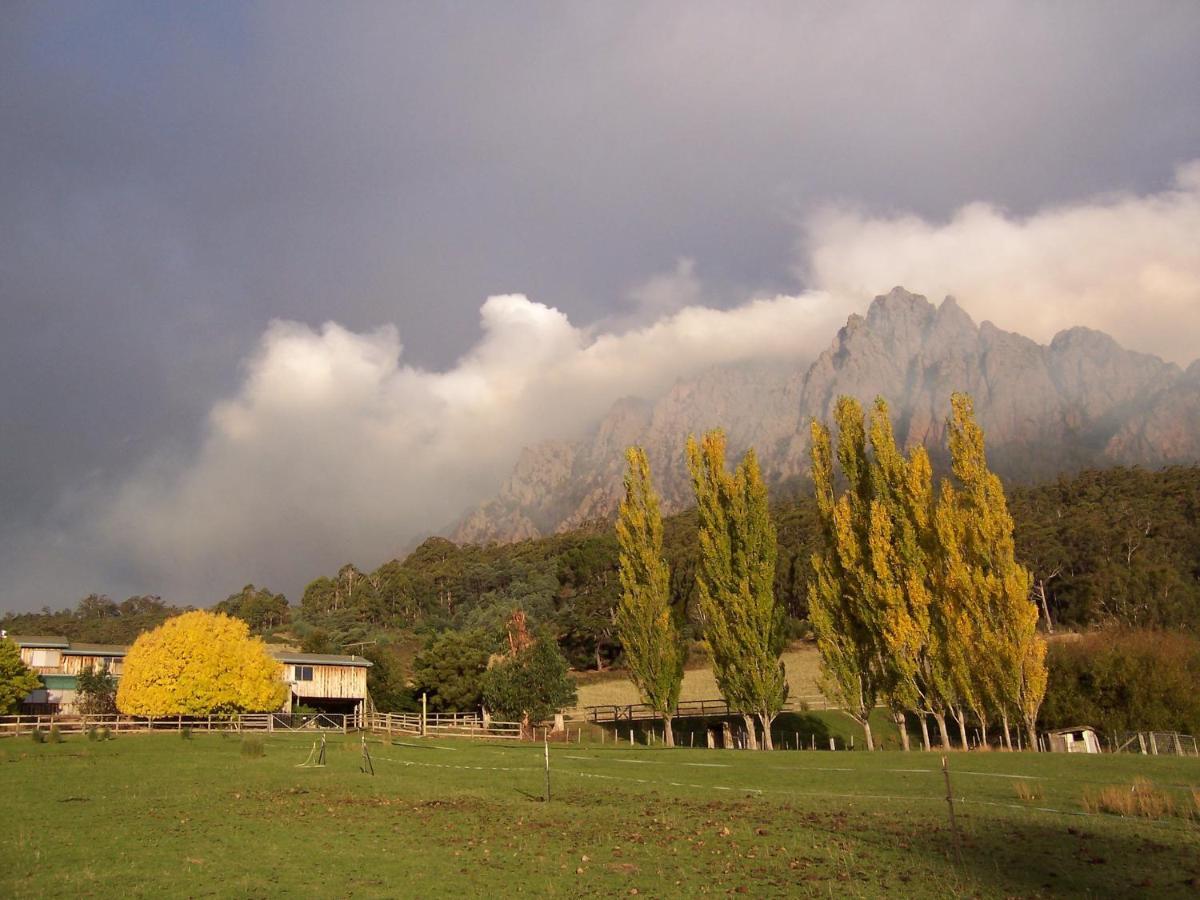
<point x="690" y="709"/>
<point x="1155" y="743"/>
<point x="470" y="725"/>
<point x="11" y="726"/>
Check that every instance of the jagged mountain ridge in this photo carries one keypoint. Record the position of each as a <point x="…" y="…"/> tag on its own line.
<point x="1081" y="400"/>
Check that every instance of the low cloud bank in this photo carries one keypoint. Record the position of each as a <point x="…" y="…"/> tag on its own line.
<point x="1125" y="264"/>
<point x="333" y="448"/>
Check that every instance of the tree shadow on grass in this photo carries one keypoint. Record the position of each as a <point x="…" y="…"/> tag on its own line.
<point x="1032" y="853"/>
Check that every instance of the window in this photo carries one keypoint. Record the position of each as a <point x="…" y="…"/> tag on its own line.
<point x="44" y="659"/>
<point x="303" y="673"/>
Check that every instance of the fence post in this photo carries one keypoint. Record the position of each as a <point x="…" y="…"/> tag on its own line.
<point x="424" y="711"/>
<point x="950" y="806"/>
<point x="1178" y="745"/>
<point x="546" y="745"/>
<point x="1153" y="745"/>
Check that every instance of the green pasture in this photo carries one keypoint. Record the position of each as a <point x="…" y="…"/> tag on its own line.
<point x="155" y="815"/>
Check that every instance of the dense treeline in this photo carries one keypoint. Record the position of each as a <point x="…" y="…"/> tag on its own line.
<point x="95" y="618"/>
<point x="1119" y="546"/>
<point x="1125" y="680"/>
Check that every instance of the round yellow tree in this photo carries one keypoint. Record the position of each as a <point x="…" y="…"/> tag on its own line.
<point x="196" y="664"/>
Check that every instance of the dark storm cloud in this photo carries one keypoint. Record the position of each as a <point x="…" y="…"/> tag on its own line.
<point x="174" y="178"/>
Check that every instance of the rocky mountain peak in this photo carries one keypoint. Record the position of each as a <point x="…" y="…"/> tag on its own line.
<point x="1082" y="400"/>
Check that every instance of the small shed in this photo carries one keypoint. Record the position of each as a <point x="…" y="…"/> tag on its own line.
<point x="1076" y="739"/>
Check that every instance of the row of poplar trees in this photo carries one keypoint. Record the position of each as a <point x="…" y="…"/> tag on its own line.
<point x="918" y="602"/>
<point x="744" y="624"/>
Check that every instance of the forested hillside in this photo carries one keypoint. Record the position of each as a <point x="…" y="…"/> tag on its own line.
<point x="1117" y="546"/>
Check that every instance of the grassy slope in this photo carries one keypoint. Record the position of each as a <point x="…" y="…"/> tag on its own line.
<point x="155" y="816"/>
<point x="698" y="684"/>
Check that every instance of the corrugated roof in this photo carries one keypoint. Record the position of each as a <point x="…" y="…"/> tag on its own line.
<point x="78" y="649"/>
<point x="319" y="659"/>
<point x="39" y="640"/>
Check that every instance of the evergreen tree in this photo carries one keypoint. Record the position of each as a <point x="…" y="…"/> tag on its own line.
<point x="653" y="651"/>
<point x="744" y="623"/>
<point x="16" y="679"/>
<point x="531" y="685"/>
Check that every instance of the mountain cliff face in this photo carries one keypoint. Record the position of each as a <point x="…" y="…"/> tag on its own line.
<point x="1081" y="401"/>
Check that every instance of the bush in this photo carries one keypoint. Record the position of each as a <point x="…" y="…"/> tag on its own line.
<point x="38" y="736"/>
<point x="93" y="733"/>
<point x="253" y="747"/>
<point x="186" y="732"/>
<point x="106" y="733"/>
<point x="1125" y="680"/>
<point x="55" y="736"/>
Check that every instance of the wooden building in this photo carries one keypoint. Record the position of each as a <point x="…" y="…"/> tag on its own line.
<point x="326" y="682"/>
<point x="1077" y="739"/>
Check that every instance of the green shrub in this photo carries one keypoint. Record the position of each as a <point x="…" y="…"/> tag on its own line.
<point x="186" y="732"/>
<point x="39" y="736"/>
<point x="106" y="733"/>
<point x="55" y="736"/>
<point x="253" y="747"/>
<point x="92" y="733"/>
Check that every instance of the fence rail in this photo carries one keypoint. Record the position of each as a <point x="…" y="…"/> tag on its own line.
<point x="690" y="709"/>
<point x="12" y="726"/>
<point x="470" y="725"/>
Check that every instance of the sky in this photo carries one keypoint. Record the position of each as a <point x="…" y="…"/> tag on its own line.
<point x="285" y="285"/>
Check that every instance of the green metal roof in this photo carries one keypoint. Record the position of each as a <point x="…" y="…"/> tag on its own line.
<point x="77" y="649"/>
<point x="39" y="640"/>
<point x="319" y="659"/>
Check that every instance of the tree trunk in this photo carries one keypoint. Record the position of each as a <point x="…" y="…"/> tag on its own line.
<point x="751" y="732"/>
<point x="1031" y="730"/>
<point x="924" y="720"/>
<point x="1045" y="609"/>
<point x="1007" y="733"/>
<point x="902" y="726"/>
<point x="668" y="734"/>
<point x="961" y="718"/>
<point x="866" y="725"/>
<point x="766" y="721"/>
<point x="983" y="733"/>
<point x="943" y="732"/>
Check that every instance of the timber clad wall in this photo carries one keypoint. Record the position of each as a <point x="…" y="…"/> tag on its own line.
<point x="349" y="682"/>
<point x="74" y="665"/>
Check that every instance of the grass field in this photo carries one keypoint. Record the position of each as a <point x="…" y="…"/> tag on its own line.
<point x="615" y="689"/>
<point x="154" y="815"/>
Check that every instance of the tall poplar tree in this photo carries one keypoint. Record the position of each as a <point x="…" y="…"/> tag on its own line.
<point x="872" y="600"/>
<point x="840" y="596"/>
<point x="735" y="576"/>
<point x="1003" y="665"/>
<point x="653" y="650"/>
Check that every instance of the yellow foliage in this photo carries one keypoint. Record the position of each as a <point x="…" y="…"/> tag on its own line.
<point x="196" y="664"/>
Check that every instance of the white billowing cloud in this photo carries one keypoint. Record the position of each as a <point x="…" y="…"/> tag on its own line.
<point x="334" y="449"/>
<point x="1128" y="265"/>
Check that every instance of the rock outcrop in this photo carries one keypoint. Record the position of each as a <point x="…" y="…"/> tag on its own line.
<point x="1081" y="401"/>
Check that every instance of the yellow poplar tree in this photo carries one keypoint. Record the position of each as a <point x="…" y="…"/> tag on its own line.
<point x="196" y="664"/>
<point x="735" y="582"/>
<point x="841" y="602"/>
<point x="1002" y="663"/>
<point x="653" y="650"/>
